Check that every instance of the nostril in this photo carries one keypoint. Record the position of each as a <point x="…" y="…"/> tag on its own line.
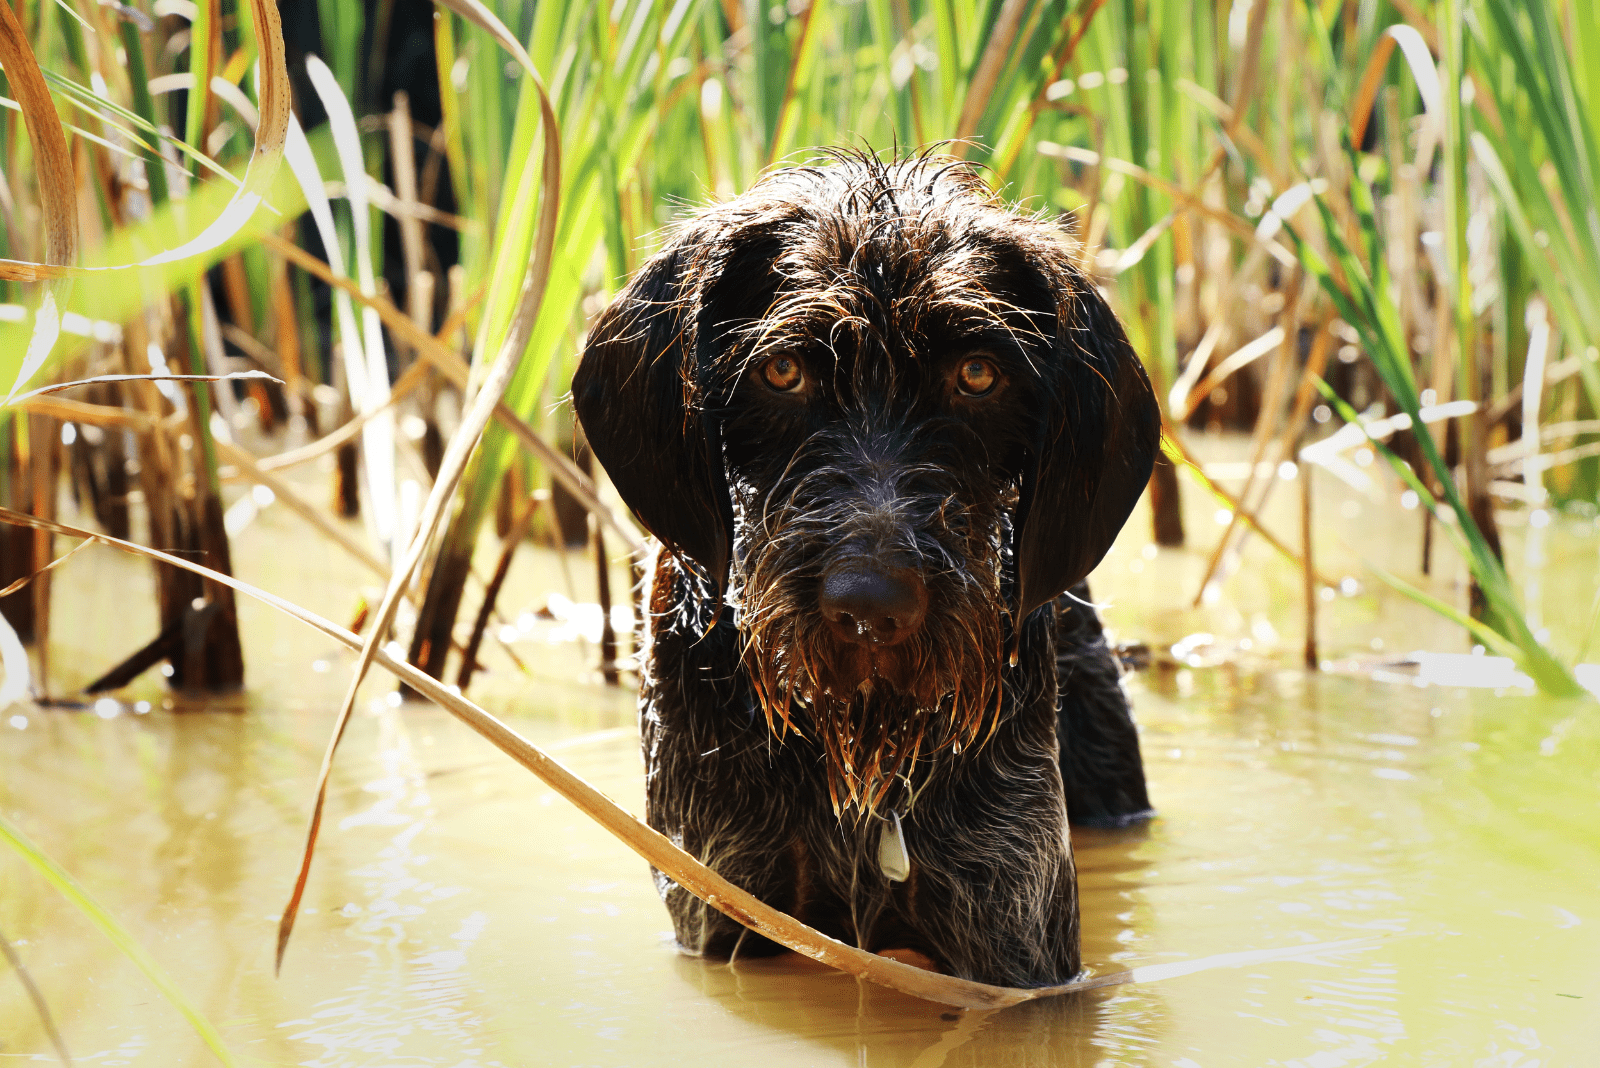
<point x="873" y="605"/>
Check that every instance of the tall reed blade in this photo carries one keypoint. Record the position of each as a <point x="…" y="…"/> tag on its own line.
<point x="377" y="449"/>
<point x="377" y="438"/>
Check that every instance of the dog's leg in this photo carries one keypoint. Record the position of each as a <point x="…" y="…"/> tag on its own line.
<point x="719" y="785"/>
<point x="706" y="795"/>
<point x="743" y="847"/>
<point x="1100" y="765"/>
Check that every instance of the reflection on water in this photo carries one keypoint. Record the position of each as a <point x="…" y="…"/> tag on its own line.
<point x="460" y="914"/>
<point x="403" y="991"/>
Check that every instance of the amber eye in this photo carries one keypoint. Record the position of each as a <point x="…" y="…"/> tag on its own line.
<point x="784" y="374"/>
<point x="976" y="377"/>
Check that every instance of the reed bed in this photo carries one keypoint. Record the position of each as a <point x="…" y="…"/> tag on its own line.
<point x="1303" y="210"/>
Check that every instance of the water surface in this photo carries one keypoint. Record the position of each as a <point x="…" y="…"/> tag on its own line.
<point x="460" y="913"/>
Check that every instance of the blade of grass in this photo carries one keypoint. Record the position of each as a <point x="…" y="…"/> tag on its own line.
<point x="102" y="415"/>
<point x="513" y="539"/>
<point x="1555" y="283"/>
<point x="205" y="47"/>
<point x="1189" y="201"/>
<point x="24" y="580"/>
<point x="799" y="71"/>
<point x="1469" y="379"/>
<point x="989" y="64"/>
<point x="317" y="517"/>
<point x="413" y="377"/>
<point x="987" y="73"/>
<point x="377" y="449"/>
<point x="1012" y="146"/>
<point x="1176" y="451"/>
<point x="1490" y="637"/>
<point x="1551" y="675"/>
<point x="111" y="294"/>
<point x="232" y="376"/>
<point x="52" y="160"/>
<point x="129" y="124"/>
<point x="155" y="166"/>
<point x="69" y="888"/>
<point x="272" y="91"/>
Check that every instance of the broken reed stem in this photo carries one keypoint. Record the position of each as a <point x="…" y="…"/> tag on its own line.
<point x="71" y="411"/>
<point x="648" y="843"/>
<point x="491" y="593"/>
<point x="300" y="506"/>
<point x="351" y="428"/>
<point x="534" y="276"/>
<point x="1276" y="395"/>
<point x="981" y="87"/>
<point x="286" y="323"/>
<point x="42" y="467"/>
<point x="1069" y="47"/>
<point x="51" y="566"/>
<point x="1316" y="363"/>
<point x="403" y="163"/>
<point x="1182" y="453"/>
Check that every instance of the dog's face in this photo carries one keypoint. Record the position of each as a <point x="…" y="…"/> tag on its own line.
<point x="889" y="418"/>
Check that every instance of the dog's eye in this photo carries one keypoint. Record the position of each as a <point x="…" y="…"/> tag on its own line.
<point x="976" y="377"/>
<point x="784" y="374"/>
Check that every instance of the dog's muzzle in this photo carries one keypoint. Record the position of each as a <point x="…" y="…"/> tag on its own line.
<point x="866" y="603"/>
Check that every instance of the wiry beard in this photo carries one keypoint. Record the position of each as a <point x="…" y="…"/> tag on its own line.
<point x="875" y="710"/>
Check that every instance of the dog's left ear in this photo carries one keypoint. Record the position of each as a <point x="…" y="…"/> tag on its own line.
<point x="1094" y="453"/>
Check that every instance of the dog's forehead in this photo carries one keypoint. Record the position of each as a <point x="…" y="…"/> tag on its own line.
<point x="905" y="222"/>
<point x="903" y="251"/>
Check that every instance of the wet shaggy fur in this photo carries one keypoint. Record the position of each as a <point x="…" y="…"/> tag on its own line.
<point x="780" y="748"/>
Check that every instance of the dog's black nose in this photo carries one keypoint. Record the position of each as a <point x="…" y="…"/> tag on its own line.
<point x="872" y="605"/>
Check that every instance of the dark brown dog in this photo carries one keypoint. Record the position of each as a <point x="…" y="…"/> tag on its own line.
<point x="879" y="423"/>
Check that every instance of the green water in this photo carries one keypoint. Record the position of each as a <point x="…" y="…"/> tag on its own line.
<point x="462" y="914"/>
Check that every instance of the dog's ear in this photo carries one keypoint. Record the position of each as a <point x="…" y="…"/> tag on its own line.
<point x="1096" y="446"/>
<point x="636" y="395"/>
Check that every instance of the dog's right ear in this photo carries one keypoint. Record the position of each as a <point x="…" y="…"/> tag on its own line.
<point x="636" y="396"/>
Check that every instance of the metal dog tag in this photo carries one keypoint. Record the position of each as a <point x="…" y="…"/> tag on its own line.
<point x="893" y="859"/>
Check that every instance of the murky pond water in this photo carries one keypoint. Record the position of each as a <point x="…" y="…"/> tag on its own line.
<point x="460" y="913"/>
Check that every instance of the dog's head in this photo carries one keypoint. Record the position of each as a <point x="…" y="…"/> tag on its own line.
<point x="890" y="418"/>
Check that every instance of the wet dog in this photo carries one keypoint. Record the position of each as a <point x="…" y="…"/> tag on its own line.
<point x="883" y="428"/>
